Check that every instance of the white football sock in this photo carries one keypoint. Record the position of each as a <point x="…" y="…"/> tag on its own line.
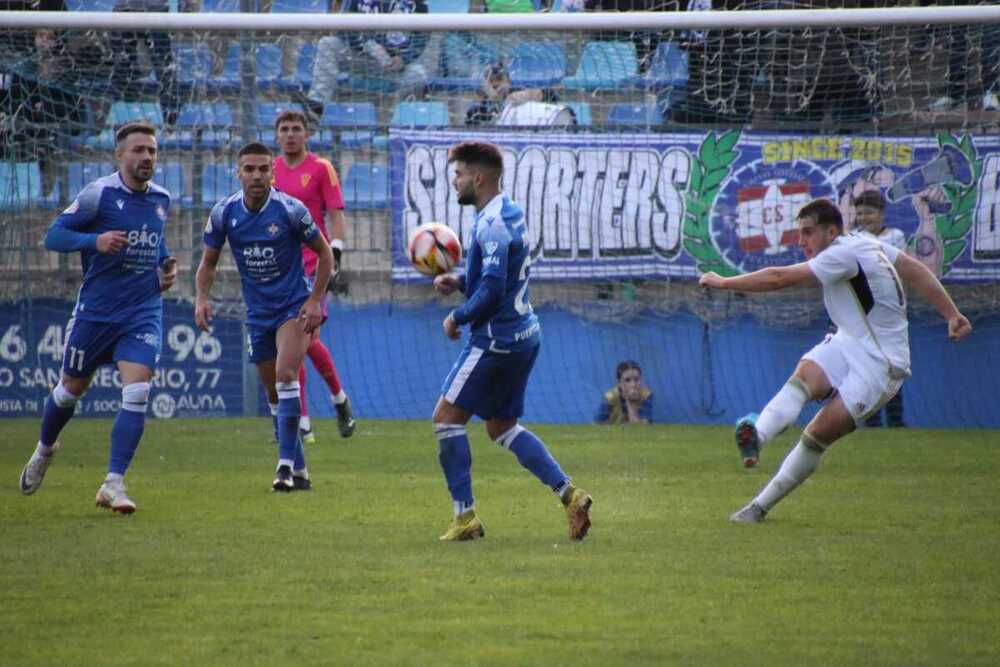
<point x="801" y="462"/>
<point x="339" y="397"/>
<point x="782" y="411"/>
<point x="305" y="424"/>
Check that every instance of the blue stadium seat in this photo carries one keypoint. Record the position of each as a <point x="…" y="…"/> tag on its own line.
<point x="366" y="186"/>
<point x="269" y="68"/>
<point x="20" y="185"/>
<point x="448" y="6"/>
<point x="217" y="181"/>
<point x="82" y="173"/>
<point x="221" y="6"/>
<point x="90" y="5"/>
<point x="123" y="112"/>
<point x="668" y="68"/>
<point x="229" y="81"/>
<point x="209" y="123"/>
<point x="172" y="177"/>
<point x="464" y="57"/>
<point x="634" y="115"/>
<point x="605" y="65"/>
<point x="354" y="120"/>
<point x="537" y="64"/>
<point x="420" y="115"/>
<point x="193" y="63"/>
<point x="299" y="6"/>
<point x="304" y="67"/>
<point x="582" y="111"/>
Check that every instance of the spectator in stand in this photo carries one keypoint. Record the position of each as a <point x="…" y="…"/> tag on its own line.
<point x="497" y="93"/>
<point x="393" y="56"/>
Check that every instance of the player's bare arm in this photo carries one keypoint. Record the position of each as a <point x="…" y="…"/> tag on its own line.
<point x="168" y="274"/>
<point x="766" y="280"/>
<point x="311" y="315"/>
<point x="203" y="280"/>
<point x="923" y="280"/>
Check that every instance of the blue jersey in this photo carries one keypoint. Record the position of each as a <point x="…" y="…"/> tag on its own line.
<point x="499" y="249"/>
<point x="125" y="286"/>
<point x="267" y="247"/>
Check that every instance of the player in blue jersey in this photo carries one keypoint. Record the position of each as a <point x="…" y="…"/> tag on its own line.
<point x="117" y="224"/>
<point x="491" y="374"/>
<point x="266" y="229"/>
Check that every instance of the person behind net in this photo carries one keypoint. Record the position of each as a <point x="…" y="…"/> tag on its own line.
<point x="117" y="224"/>
<point x="857" y="369"/>
<point x="265" y="229"/>
<point x="496" y="93"/>
<point x="869" y="218"/>
<point x="314" y="182"/>
<point x="491" y="373"/>
<point x="391" y="56"/>
<point x="629" y="401"/>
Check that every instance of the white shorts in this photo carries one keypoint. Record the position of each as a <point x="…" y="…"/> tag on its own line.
<point x="862" y="380"/>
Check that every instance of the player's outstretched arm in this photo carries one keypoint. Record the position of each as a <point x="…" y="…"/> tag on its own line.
<point x="764" y="280"/>
<point x="203" y="281"/>
<point x="928" y="286"/>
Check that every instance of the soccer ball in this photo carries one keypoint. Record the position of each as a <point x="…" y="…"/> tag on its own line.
<point x="434" y="249"/>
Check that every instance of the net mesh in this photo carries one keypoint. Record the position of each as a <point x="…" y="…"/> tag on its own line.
<point x="894" y="97"/>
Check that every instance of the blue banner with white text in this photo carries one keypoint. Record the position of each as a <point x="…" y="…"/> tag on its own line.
<point x="639" y="206"/>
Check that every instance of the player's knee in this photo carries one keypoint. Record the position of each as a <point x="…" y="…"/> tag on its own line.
<point x="504" y="433"/>
<point x="63" y="397"/>
<point x="135" y="396"/>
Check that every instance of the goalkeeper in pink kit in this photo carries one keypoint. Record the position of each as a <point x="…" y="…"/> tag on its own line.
<point x="314" y="181"/>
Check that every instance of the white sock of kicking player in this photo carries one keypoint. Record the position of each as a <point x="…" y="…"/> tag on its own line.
<point x="801" y="462"/>
<point x="782" y="411"/>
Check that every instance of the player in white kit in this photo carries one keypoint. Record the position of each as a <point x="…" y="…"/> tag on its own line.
<point x="858" y="368"/>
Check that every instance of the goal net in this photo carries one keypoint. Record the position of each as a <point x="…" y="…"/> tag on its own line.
<point x="646" y="149"/>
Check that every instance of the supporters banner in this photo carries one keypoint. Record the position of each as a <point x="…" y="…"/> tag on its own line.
<point x="199" y="374"/>
<point x="677" y="205"/>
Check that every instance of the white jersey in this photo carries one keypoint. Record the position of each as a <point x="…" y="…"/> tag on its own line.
<point x="865" y="299"/>
<point x="890" y="236"/>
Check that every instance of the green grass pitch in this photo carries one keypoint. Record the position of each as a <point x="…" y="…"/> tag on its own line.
<point x="890" y="554"/>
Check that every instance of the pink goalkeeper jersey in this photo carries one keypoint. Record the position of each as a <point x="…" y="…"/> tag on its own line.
<point x="315" y="183"/>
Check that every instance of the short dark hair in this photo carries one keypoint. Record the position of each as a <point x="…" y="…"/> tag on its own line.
<point x="291" y="115"/>
<point x="871" y="199"/>
<point x="824" y="211"/>
<point x="138" y="126"/>
<point x="254" y="148"/>
<point x="626" y="365"/>
<point x="477" y="153"/>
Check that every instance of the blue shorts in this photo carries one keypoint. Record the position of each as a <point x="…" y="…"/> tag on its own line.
<point x="490" y="385"/>
<point x="93" y="344"/>
<point x="262" y="340"/>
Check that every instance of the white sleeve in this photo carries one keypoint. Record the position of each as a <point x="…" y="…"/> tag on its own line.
<point x="897" y="239"/>
<point x="837" y="262"/>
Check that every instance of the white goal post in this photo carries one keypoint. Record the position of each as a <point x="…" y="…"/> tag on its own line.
<point x="699" y="20"/>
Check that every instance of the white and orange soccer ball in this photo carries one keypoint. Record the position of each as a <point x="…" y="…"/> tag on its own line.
<point x="434" y="249"/>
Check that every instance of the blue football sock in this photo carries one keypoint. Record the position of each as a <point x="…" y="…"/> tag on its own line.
<point x="532" y="454"/>
<point x="300" y="453"/>
<point x="456" y="462"/>
<point x="129" y="424"/>
<point x="289" y="411"/>
<point x="58" y="410"/>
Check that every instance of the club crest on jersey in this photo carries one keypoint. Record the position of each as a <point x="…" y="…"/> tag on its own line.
<point x="304" y="179"/>
<point x="490" y="247"/>
<point x="120" y="203"/>
<point x="161" y="213"/>
<point x="273" y="229"/>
